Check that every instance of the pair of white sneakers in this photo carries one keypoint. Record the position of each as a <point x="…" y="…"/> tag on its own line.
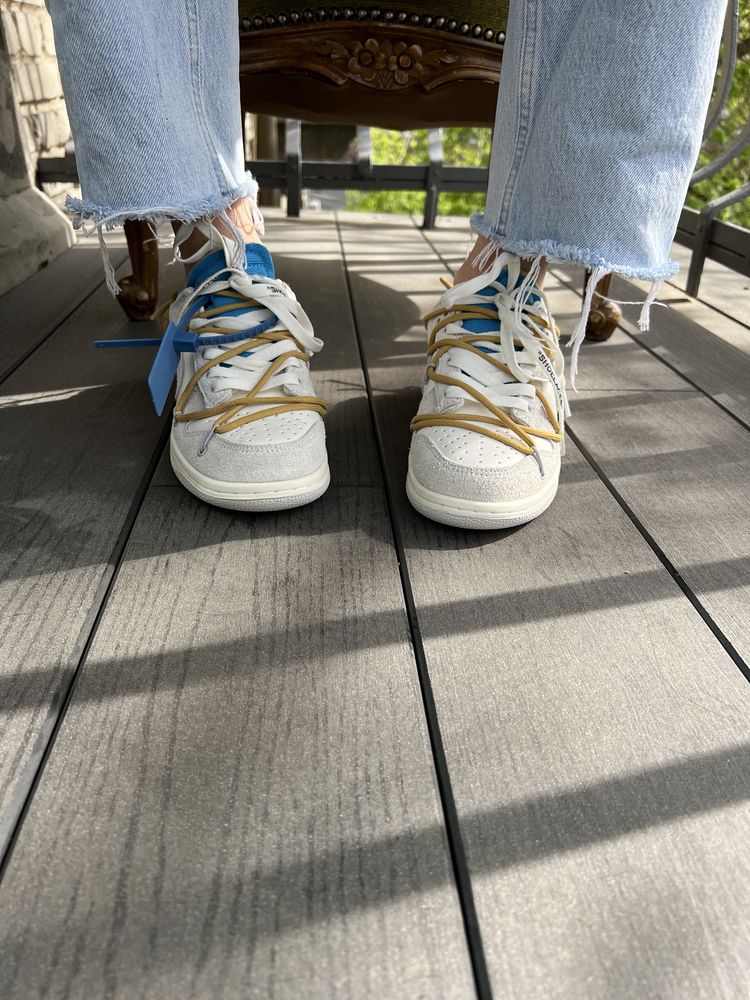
<point x="248" y="428"/>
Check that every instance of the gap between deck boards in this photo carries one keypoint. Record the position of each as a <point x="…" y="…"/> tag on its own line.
<point x="453" y="822"/>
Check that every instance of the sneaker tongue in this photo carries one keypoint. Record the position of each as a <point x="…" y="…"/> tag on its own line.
<point x="257" y="261"/>
<point x="491" y="325"/>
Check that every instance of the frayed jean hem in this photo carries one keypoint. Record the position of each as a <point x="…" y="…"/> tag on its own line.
<point x="558" y="253"/>
<point x="90" y="216"/>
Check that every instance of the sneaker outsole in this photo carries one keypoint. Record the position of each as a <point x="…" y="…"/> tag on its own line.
<point x="479" y="514"/>
<point x="280" y="495"/>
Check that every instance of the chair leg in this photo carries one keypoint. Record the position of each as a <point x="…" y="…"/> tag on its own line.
<point x="139" y="291"/>
<point x="605" y="315"/>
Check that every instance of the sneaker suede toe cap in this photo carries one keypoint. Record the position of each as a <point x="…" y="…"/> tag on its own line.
<point x="522" y="479"/>
<point x="234" y="461"/>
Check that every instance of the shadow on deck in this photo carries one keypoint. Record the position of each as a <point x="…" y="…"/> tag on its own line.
<point x="343" y="751"/>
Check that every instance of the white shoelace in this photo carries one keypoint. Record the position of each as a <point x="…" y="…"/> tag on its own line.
<point x="525" y="323"/>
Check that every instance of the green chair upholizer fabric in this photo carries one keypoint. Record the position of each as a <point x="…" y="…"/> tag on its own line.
<point x="406" y="66"/>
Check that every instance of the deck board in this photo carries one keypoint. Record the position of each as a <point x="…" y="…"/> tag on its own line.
<point x="596" y="732"/>
<point x="718" y="368"/>
<point x="30" y="312"/>
<point x="674" y="456"/>
<point x="683" y="467"/>
<point x="82" y="434"/>
<point x="256" y="811"/>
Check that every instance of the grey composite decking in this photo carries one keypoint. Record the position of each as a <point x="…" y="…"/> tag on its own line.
<point x="343" y="751"/>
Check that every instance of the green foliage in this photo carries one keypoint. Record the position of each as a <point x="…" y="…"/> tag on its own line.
<point x="464" y="147"/>
<point x="470" y="147"/>
<point x="737" y="113"/>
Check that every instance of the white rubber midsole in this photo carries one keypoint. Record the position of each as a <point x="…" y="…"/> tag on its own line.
<point x="443" y="501"/>
<point x="317" y="480"/>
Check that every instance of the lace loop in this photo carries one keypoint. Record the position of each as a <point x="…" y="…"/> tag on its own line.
<point x="522" y="348"/>
<point x="280" y="337"/>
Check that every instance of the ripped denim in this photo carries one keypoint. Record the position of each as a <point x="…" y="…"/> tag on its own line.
<point x="152" y="91"/>
<point x="599" y="124"/>
<point x="599" y="121"/>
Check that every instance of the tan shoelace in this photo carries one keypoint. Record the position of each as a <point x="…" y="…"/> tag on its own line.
<point x="228" y="410"/>
<point x="497" y="417"/>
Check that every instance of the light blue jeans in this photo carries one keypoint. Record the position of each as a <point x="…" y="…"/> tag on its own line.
<point x="599" y="120"/>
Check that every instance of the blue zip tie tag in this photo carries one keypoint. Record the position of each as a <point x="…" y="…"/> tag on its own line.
<point x="175" y="341"/>
<point x="135" y="342"/>
<point x="178" y="340"/>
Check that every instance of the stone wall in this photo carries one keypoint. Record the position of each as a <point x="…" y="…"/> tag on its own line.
<point x="33" y="230"/>
<point x="36" y="83"/>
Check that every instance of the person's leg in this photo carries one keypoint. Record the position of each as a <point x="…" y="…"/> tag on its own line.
<point x="152" y="90"/>
<point x="599" y="122"/>
<point x="153" y="99"/>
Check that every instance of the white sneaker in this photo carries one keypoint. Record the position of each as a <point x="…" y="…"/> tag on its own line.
<point x="248" y="431"/>
<point x="489" y="432"/>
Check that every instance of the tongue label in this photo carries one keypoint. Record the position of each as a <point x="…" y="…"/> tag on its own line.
<point x="547" y="365"/>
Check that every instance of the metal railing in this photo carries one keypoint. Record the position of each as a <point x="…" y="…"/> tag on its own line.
<point x="294" y="174"/>
<point x="702" y="231"/>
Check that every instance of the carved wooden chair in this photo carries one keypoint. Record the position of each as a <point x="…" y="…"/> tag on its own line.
<point x="408" y="66"/>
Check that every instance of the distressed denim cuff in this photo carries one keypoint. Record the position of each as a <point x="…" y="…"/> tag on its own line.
<point x="108" y="217"/>
<point x="557" y="253"/>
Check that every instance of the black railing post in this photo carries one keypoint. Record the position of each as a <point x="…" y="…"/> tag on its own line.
<point x="293" y="167"/>
<point x="705" y="222"/>
<point x="434" y="173"/>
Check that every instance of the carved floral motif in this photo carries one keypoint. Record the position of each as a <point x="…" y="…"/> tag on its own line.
<point x="385" y="65"/>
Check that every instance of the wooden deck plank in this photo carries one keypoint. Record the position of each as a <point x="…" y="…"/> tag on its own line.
<point x="31" y="311"/>
<point x="720" y="287"/>
<point x="597" y="734"/>
<point x="675" y="457"/>
<point x="683" y="467"/>
<point x="255" y="806"/>
<point x="79" y="433"/>
<point x="711" y="363"/>
<point x="254" y="811"/>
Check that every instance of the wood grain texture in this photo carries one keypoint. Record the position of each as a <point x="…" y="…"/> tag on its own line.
<point x="711" y="363"/>
<point x="31" y="311"/>
<point x="716" y="366"/>
<point x="598" y="737"/>
<point x="721" y="288"/>
<point x="683" y="467"/>
<point x="78" y="432"/>
<point x="680" y="463"/>
<point x="241" y="800"/>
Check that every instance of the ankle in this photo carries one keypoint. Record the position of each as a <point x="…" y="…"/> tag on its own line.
<point x="469" y="270"/>
<point x="242" y="216"/>
<point x="240" y="212"/>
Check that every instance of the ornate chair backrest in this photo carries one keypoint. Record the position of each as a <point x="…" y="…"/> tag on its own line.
<point x="399" y="67"/>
